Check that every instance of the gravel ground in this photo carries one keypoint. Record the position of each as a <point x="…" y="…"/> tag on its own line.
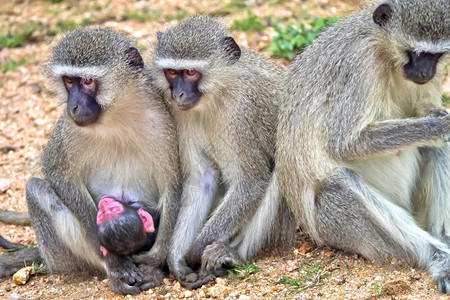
<point x="27" y="114"/>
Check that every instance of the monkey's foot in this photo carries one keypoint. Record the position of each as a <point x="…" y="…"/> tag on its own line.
<point x="440" y="271"/>
<point x="218" y="257"/>
<point x="152" y="277"/>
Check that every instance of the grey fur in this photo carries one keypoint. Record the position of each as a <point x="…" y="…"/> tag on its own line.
<point x="130" y="151"/>
<point x="359" y="162"/>
<point x="226" y="145"/>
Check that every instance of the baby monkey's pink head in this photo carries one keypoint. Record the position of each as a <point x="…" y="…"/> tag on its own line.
<point x="122" y="225"/>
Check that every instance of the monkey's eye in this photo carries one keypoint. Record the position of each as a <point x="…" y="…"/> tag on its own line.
<point x="88" y="81"/>
<point x="172" y="71"/>
<point x="67" y="80"/>
<point x="191" y="72"/>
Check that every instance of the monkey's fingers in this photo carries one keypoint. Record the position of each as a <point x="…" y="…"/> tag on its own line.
<point x="117" y="286"/>
<point x="127" y="273"/>
<point x="198" y="283"/>
<point x="152" y="277"/>
<point x="219" y="256"/>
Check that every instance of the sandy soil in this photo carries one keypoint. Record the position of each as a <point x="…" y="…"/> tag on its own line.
<point x="27" y="114"/>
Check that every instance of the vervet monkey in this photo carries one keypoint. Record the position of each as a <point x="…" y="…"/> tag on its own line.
<point x="115" y="138"/>
<point x="362" y="152"/>
<point x="225" y="101"/>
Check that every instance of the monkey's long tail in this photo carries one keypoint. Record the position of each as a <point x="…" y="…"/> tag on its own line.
<point x="11" y="262"/>
<point x="14" y="218"/>
<point x="272" y="224"/>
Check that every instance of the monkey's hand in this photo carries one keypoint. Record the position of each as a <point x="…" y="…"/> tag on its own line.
<point x="185" y="275"/>
<point x="179" y="268"/>
<point x="429" y="109"/>
<point x="125" y="276"/>
<point x="218" y="258"/>
<point x="156" y="257"/>
<point x="151" y="277"/>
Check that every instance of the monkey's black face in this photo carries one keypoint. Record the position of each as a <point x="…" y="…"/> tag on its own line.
<point x="82" y="106"/>
<point x="184" y="87"/>
<point x="421" y="67"/>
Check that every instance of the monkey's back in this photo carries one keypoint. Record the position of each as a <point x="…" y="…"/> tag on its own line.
<point x="316" y="95"/>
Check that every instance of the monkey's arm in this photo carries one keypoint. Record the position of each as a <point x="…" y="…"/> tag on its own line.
<point x="241" y="200"/>
<point x="73" y="214"/>
<point x="386" y="136"/>
<point x="14" y="218"/>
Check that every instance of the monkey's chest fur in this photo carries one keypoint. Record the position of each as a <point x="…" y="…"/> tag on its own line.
<point x="393" y="175"/>
<point x="122" y="163"/>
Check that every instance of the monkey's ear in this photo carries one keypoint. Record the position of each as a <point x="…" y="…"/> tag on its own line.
<point x="232" y="50"/>
<point x="159" y="35"/>
<point x="134" y="58"/>
<point x="147" y="220"/>
<point x="104" y="250"/>
<point x="382" y="14"/>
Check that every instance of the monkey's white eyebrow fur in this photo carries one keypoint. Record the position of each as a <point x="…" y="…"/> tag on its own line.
<point x="180" y="64"/>
<point x="441" y="47"/>
<point x="94" y="72"/>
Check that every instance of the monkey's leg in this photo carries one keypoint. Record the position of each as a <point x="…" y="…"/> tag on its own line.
<point x="353" y="217"/>
<point x="432" y="201"/>
<point x="47" y="216"/>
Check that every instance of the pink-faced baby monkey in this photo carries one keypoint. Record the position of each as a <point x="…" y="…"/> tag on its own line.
<point x="124" y="228"/>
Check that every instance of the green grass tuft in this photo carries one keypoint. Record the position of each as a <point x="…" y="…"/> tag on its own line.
<point x="446" y="99"/>
<point x="141" y="15"/>
<point x="309" y="277"/>
<point x="377" y="289"/>
<point x="247" y="271"/>
<point x="251" y="23"/>
<point x="14" y="64"/>
<point x="294" y="37"/>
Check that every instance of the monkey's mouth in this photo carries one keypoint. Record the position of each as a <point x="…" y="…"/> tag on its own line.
<point x="186" y="106"/>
